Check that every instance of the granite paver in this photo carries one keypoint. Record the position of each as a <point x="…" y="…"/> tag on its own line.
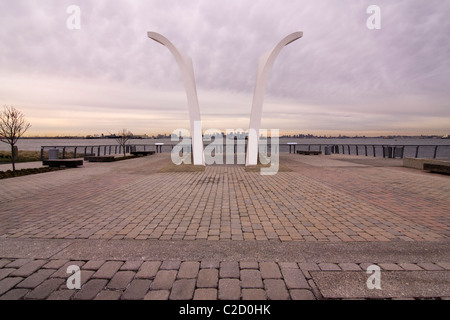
<point x="332" y="200"/>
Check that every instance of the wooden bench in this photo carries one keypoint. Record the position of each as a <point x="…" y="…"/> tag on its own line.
<point x="56" y="163"/>
<point x="308" y="152"/>
<point x="142" y="153"/>
<point x="437" y="168"/>
<point x="100" y="159"/>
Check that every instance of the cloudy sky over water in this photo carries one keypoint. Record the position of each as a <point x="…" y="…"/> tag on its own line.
<point x="341" y="77"/>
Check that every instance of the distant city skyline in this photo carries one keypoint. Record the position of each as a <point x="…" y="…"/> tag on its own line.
<point x="340" y="78"/>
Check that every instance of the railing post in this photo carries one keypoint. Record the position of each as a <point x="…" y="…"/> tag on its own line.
<point x="75" y="152"/>
<point x="85" y="148"/>
<point x="64" y="152"/>
<point x="365" y="148"/>
<point x="348" y="148"/>
<point x="417" y="151"/>
<point x="435" y="152"/>
<point x="98" y="151"/>
<point x="374" y="151"/>
<point x="42" y="153"/>
<point x="357" y="151"/>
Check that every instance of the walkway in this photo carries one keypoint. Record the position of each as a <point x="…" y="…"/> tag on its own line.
<point x="226" y="233"/>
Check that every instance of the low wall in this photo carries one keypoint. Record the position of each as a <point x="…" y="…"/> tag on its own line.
<point x="417" y="163"/>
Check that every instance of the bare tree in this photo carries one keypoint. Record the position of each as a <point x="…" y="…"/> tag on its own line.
<point x="12" y="127"/>
<point x="122" y="137"/>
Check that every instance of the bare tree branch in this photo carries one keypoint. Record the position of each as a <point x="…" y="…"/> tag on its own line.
<point x="12" y="127"/>
<point x="122" y="138"/>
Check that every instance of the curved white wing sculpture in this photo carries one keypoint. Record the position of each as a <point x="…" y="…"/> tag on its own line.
<point x="187" y="72"/>
<point x="265" y="65"/>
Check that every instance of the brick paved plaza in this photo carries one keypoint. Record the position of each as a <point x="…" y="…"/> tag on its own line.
<point x="308" y="232"/>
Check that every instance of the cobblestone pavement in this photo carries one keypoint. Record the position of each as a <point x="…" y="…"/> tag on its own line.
<point x="327" y="201"/>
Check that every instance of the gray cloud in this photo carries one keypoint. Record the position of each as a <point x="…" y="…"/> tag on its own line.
<point x="339" y="67"/>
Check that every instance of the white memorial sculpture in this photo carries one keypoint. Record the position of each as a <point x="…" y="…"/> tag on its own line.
<point x="187" y="73"/>
<point x="264" y="66"/>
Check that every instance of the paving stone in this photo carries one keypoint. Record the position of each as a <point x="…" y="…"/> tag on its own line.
<point x="108" y="270"/>
<point x="62" y="295"/>
<point x="269" y="270"/>
<point x="44" y="290"/>
<point x="93" y="264"/>
<point x="170" y="265"/>
<point x="249" y="265"/>
<point x="157" y="295"/>
<point x="229" y="289"/>
<point x="148" y="269"/>
<point x="229" y="269"/>
<point x="301" y="294"/>
<point x="28" y="268"/>
<point x="164" y="280"/>
<point x="18" y="263"/>
<point x="121" y="280"/>
<point x="108" y="295"/>
<point x="294" y="279"/>
<point x="329" y="267"/>
<point x="183" y="289"/>
<point x="208" y="278"/>
<point x="410" y="267"/>
<point x="5" y="272"/>
<point x="445" y="265"/>
<point x="55" y="264"/>
<point x="36" y="279"/>
<point x="430" y="266"/>
<point x="131" y="265"/>
<point x="4" y="262"/>
<point x="349" y="267"/>
<point x="253" y="294"/>
<point x="90" y="290"/>
<point x="62" y="272"/>
<point x="276" y="289"/>
<point x="389" y="267"/>
<point x="14" y="294"/>
<point x="366" y="265"/>
<point x="251" y="278"/>
<point x="309" y="266"/>
<point x="210" y="264"/>
<point x="137" y="289"/>
<point x="288" y="265"/>
<point x="188" y="269"/>
<point x="8" y="283"/>
<point x="205" y="294"/>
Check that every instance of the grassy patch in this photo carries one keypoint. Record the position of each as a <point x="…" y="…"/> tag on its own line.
<point x="24" y="156"/>
<point x="25" y="172"/>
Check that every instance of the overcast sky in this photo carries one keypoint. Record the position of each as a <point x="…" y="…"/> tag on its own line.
<point x="340" y="77"/>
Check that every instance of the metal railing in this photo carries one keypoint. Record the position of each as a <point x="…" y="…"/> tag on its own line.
<point x="378" y="150"/>
<point x="373" y="150"/>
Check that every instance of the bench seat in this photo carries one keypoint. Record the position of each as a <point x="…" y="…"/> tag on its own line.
<point x="56" y="163"/>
